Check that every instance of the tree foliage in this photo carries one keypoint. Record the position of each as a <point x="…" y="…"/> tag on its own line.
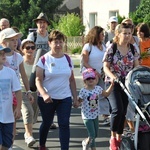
<point x="21" y="13"/>
<point x="70" y="25"/>
<point x="142" y="14"/>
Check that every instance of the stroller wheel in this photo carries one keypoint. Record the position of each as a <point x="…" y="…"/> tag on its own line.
<point x="127" y="144"/>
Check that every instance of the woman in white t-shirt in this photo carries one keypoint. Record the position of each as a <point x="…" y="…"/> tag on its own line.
<point x="56" y="85"/>
<point x="93" y="52"/>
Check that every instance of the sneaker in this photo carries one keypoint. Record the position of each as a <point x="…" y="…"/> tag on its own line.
<point x="85" y="145"/>
<point x="113" y="144"/>
<point x="106" y="121"/>
<point x="29" y="140"/>
<point x="53" y="126"/>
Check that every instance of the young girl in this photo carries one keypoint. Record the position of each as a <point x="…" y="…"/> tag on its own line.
<point x="89" y="96"/>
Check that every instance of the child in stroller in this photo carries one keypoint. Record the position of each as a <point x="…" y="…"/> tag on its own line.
<point x="137" y="87"/>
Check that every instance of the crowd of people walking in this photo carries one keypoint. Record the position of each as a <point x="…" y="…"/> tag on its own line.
<point x="114" y="52"/>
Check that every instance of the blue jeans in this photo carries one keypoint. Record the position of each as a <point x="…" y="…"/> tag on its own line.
<point x="118" y="101"/>
<point x="63" y="111"/>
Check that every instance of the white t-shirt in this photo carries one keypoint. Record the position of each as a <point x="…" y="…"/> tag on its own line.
<point x="95" y="57"/>
<point x="41" y="42"/>
<point x="8" y="83"/>
<point x="90" y="106"/>
<point x="14" y="62"/>
<point x="56" y="76"/>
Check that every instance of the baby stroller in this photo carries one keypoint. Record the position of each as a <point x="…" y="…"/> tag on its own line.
<point x="137" y="88"/>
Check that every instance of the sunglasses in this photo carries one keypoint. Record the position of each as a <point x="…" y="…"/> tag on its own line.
<point x="30" y="47"/>
<point x="90" y="79"/>
<point x="128" y="25"/>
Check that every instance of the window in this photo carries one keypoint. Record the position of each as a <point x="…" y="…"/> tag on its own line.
<point x="113" y="13"/>
<point x="92" y="20"/>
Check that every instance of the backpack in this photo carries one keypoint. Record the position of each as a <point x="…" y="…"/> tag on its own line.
<point x="33" y="74"/>
<point x="81" y="59"/>
<point x="35" y="35"/>
<point x="114" y="47"/>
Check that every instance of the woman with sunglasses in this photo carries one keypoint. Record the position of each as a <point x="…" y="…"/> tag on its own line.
<point x="117" y="66"/>
<point x="130" y="115"/>
<point x="29" y="108"/>
<point x="89" y="97"/>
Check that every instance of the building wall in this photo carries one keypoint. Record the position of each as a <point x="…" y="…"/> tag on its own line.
<point x="102" y="10"/>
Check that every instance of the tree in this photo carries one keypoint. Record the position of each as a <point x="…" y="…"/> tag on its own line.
<point x="70" y="25"/>
<point x="21" y="13"/>
<point x="142" y="14"/>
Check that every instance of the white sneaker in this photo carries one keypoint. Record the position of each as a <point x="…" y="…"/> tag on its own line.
<point x="85" y="145"/>
<point x="29" y="140"/>
<point x="10" y="148"/>
<point x="106" y="121"/>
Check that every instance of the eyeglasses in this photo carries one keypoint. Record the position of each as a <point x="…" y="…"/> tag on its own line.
<point x="30" y="47"/>
<point x="90" y="79"/>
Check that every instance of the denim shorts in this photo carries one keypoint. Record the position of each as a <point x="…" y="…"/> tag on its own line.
<point x="6" y="134"/>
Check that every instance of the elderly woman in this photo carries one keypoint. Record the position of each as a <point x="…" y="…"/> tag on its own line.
<point x="56" y="85"/>
<point x="117" y="65"/>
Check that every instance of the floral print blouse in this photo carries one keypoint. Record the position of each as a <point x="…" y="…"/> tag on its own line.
<point x="120" y="65"/>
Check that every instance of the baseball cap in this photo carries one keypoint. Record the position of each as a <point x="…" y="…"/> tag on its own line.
<point x="113" y="19"/>
<point x="26" y="40"/>
<point x="5" y="49"/>
<point x="9" y="33"/>
<point x="88" y="73"/>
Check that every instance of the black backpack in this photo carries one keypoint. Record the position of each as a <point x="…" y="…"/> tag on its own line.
<point x="114" y="47"/>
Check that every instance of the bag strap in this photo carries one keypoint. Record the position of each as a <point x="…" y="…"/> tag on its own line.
<point x="69" y="60"/>
<point x="114" y="47"/>
<point x="35" y="36"/>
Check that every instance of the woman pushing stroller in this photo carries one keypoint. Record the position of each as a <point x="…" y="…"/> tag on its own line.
<point x="117" y="63"/>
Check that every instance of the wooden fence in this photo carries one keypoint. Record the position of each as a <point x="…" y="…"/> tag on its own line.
<point x="74" y="42"/>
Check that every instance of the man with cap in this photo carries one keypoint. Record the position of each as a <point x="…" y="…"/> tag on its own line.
<point x="40" y="36"/>
<point x="9" y="83"/>
<point x="113" y="21"/>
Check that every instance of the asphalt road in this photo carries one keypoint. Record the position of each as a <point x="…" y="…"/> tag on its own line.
<point x="78" y="131"/>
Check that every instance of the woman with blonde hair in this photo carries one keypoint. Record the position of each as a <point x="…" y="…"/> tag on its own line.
<point x="116" y="66"/>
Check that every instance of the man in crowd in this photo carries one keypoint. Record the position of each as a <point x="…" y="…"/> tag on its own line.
<point x="4" y="23"/>
<point x="113" y="21"/>
<point x="40" y="36"/>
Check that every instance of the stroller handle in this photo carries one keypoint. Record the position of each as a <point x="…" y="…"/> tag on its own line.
<point x="130" y="98"/>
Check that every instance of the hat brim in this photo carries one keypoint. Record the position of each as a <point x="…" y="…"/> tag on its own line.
<point x="19" y="35"/>
<point x="5" y="49"/>
<point x="25" y="41"/>
<point x="35" y="20"/>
